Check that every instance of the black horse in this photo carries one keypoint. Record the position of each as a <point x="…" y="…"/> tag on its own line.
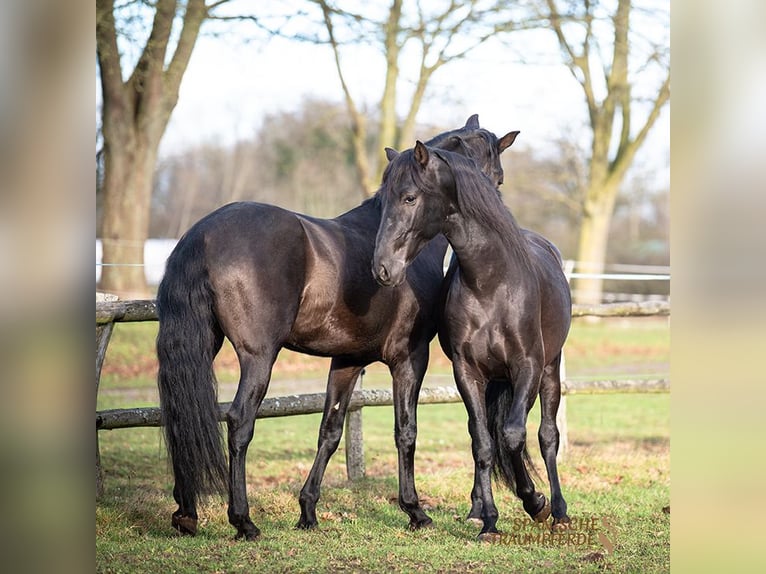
<point x="506" y="314"/>
<point x="267" y="278"/>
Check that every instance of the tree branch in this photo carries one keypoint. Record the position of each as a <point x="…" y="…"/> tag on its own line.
<point x="391" y="49"/>
<point x="626" y="154"/>
<point x="193" y="18"/>
<point x="358" y="125"/>
<point x="108" y="54"/>
<point x="577" y="62"/>
<point x="152" y="59"/>
<point x="617" y="80"/>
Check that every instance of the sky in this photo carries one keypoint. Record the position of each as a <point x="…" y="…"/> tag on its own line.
<point x="231" y="85"/>
<point x="228" y="88"/>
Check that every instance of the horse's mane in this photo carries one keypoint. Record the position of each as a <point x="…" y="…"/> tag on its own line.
<point x="462" y="139"/>
<point x="478" y="199"/>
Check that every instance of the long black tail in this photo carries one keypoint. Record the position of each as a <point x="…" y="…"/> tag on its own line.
<point x="499" y="398"/>
<point x="188" y="340"/>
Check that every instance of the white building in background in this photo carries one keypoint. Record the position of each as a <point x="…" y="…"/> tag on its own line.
<point x="156" y="253"/>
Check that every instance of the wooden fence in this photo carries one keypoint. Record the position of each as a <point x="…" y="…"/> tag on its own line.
<point x="109" y="312"/>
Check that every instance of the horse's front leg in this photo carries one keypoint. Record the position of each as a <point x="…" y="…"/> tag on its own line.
<point x="472" y="388"/>
<point x="513" y="445"/>
<point x="407" y="377"/>
<point x="340" y="386"/>
<point x="254" y="380"/>
<point x="474" y="515"/>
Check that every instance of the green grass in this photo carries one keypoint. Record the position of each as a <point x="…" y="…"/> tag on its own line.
<point x="617" y="470"/>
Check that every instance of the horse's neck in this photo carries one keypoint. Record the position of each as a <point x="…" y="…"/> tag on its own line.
<point x="484" y="257"/>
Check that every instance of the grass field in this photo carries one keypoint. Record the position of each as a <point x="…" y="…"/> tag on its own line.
<point x="616" y="477"/>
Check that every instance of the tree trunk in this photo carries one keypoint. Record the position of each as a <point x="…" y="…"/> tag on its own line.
<point x="135" y="114"/>
<point x="127" y="192"/>
<point x="592" y="247"/>
<point x="358" y="121"/>
<point x="608" y="162"/>
<point x="388" y="120"/>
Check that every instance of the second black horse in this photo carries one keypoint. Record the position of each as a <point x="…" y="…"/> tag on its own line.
<point x="506" y="314"/>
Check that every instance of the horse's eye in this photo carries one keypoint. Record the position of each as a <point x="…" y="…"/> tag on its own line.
<point x="409" y="199"/>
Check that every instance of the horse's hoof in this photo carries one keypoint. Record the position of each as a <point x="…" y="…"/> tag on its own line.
<point x="186" y="525"/>
<point x="560" y="524"/>
<point x="250" y="532"/>
<point x="543" y="515"/>
<point x="422" y="523"/>
<point x="490" y="537"/>
<point x="306" y="525"/>
<point x="544" y="512"/>
<point x="475" y="521"/>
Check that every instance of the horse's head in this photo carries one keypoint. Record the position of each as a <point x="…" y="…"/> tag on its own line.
<point x="481" y="145"/>
<point x="412" y="213"/>
<point x="417" y="196"/>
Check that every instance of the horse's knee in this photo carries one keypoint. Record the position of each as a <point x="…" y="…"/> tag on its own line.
<point x="330" y="437"/>
<point x="405" y="436"/>
<point x="515" y="437"/>
<point x="483" y="457"/>
<point x="548" y="434"/>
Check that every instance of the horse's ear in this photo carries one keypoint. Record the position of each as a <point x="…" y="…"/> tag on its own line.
<point x="472" y="123"/>
<point x="391" y="153"/>
<point x="421" y="153"/>
<point x="505" y="142"/>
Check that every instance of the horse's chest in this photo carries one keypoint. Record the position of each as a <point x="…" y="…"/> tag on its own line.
<point x="488" y="347"/>
<point x="482" y="335"/>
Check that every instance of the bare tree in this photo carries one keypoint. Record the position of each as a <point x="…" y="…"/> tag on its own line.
<point x="438" y="35"/>
<point x="608" y="80"/>
<point x="300" y="160"/>
<point x="135" y="113"/>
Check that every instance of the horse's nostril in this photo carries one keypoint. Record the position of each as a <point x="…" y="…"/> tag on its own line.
<point x="383" y="273"/>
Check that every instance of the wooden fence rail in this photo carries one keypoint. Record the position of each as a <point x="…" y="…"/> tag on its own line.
<point x="312" y="403"/>
<point x="110" y="312"/>
<point x="146" y="310"/>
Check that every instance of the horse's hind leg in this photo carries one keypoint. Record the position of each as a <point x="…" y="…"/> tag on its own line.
<point x="254" y="380"/>
<point x="407" y="379"/>
<point x="548" y="435"/>
<point x="340" y="386"/>
<point x="185" y="518"/>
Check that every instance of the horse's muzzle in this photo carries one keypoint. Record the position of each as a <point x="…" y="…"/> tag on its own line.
<point x="381" y="275"/>
<point x="388" y="275"/>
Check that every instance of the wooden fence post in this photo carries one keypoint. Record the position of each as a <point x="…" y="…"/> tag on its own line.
<point x="354" y="439"/>
<point x="561" y="415"/>
<point x="103" y="334"/>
